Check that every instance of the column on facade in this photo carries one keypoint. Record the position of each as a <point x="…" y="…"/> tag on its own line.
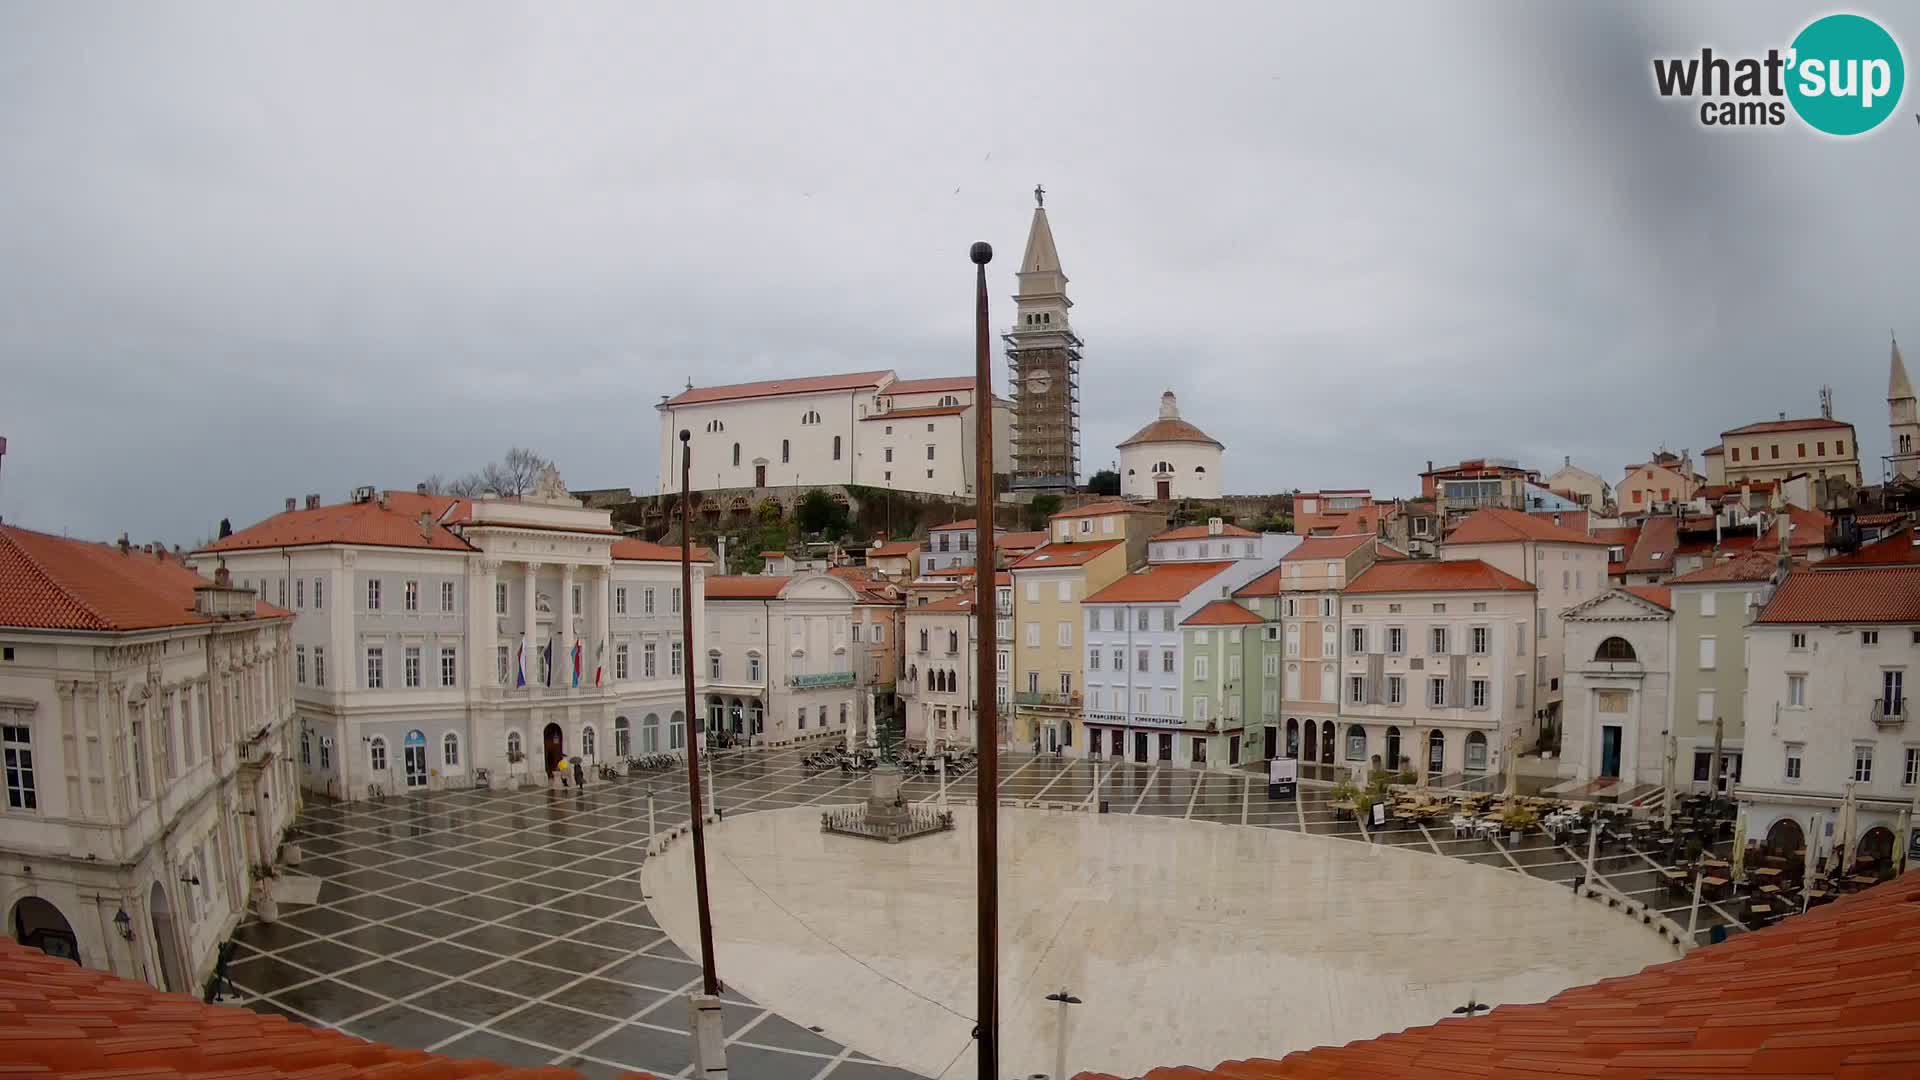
<point x="563" y="644"/>
<point x="483" y="628"/>
<point x="528" y="630"/>
<point x="603" y="627"/>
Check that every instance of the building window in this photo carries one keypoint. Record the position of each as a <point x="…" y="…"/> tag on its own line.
<point x="1793" y="763"/>
<point x="446" y="596"/>
<point x="887" y="454"/>
<point x="1734" y="450"/>
<point x="1797" y="691"/>
<point x="1840" y="446"/>
<point x="1869" y="637"/>
<point x="306" y="749"/>
<point x="1357" y="639"/>
<point x="1065" y="634"/>
<point x="450" y="749"/>
<point x="753" y="667"/>
<point x="413" y="596"/>
<point x="1910" y="775"/>
<point x="319" y="665"/>
<point x="411" y="660"/>
<point x="376" y="668"/>
<point x="1356" y="743"/>
<point x="736" y="455"/>
<point x="1707" y="650"/>
<point x="282" y="583"/>
<point x="1396" y="640"/>
<point x="1200" y="667"/>
<point x="649" y="667"/>
<point x="449" y="667"/>
<point x="17" y="742"/>
<point x="373" y="594"/>
<point x="620" y="660"/>
<point x="1481" y="638"/>
<point x="673" y="601"/>
<point x="1356" y="689"/>
<point x="1437" y="693"/>
<point x="1863" y="764"/>
<point x="1479" y="688"/>
<point x="513" y="744"/>
<point x="620" y="600"/>
<point x="300" y="592"/>
<point x="1707" y="606"/>
<point x="500" y="661"/>
<point x="574" y="598"/>
<point x="499" y="598"/>
<point x="377" y="754"/>
<point x="300" y="664"/>
<point x="713" y="665"/>
<point x="1439" y="641"/>
<point x="1396" y="690"/>
<point x="588" y="742"/>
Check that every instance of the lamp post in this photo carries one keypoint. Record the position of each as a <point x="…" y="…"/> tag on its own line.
<point x="1064" y="1000"/>
<point x="986" y="778"/>
<point x="709" y="1047"/>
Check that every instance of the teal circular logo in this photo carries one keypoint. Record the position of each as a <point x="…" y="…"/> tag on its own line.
<point x="1845" y="74"/>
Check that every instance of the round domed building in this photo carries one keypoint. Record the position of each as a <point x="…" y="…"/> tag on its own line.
<point x="1170" y="459"/>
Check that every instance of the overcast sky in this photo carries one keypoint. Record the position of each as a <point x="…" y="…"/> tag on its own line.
<point x="252" y="251"/>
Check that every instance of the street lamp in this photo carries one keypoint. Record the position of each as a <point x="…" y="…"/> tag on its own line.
<point x="1063" y="999"/>
<point x="123" y="923"/>
<point x="1471" y="1007"/>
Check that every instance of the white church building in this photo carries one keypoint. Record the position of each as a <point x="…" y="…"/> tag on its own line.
<point x="1170" y="459"/>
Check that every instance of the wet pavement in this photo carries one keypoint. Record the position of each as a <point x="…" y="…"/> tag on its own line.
<point x="512" y="925"/>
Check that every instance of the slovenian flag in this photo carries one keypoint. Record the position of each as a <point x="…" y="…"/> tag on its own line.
<point x="520" y="664"/>
<point x="576" y="663"/>
<point x="599" y="662"/>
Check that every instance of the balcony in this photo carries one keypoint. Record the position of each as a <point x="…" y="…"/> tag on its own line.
<point x="1047" y="700"/>
<point x="822" y="681"/>
<point x="1887" y="716"/>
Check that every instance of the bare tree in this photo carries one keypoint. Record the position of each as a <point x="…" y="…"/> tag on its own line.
<point x="515" y="474"/>
<point x="466" y="487"/>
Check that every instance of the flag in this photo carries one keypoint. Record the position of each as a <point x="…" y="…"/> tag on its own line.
<point x="546" y="660"/>
<point x="599" y="661"/>
<point x="520" y="664"/>
<point x="576" y="663"/>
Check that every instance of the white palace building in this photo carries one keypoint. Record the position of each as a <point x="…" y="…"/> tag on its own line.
<point x="440" y="641"/>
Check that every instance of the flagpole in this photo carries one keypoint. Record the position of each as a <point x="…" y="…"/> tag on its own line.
<point x="709" y="1048"/>
<point x="987" y="802"/>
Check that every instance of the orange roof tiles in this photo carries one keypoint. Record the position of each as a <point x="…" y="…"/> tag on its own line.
<point x="631" y="550"/>
<point x="1872" y="594"/>
<point x="1201" y="532"/>
<point x="1830" y="995"/>
<point x="925" y="410"/>
<point x="1577" y="520"/>
<point x="894" y="550"/>
<point x="1101" y="508"/>
<point x="951" y="526"/>
<point x="961" y="601"/>
<point x="368" y="524"/>
<point x="1427" y="575"/>
<point x="746" y="586"/>
<point x="1653" y="594"/>
<point x="1170" y="429"/>
<point x="1316" y="548"/>
<point x="52" y="583"/>
<point x="1808" y="424"/>
<point x="1894" y="549"/>
<point x="1065" y="555"/>
<point x="953" y="385"/>
<point x="1747" y="566"/>
<point x="1160" y="583"/>
<point x="1652" y="551"/>
<point x="1020" y="541"/>
<point x="1267" y="584"/>
<point x="819" y="384"/>
<point x="1496" y="526"/>
<point x="1221" y="613"/>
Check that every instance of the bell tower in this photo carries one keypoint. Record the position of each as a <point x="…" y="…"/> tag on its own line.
<point x="1043" y="360"/>
<point x="1903" y="426"/>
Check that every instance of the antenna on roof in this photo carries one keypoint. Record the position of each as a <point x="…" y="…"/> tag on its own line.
<point x="1826" y="403"/>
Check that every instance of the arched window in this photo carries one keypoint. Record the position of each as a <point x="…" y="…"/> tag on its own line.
<point x="1356" y="743"/>
<point x="716" y="713"/>
<point x="756" y="715"/>
<point x="1313" y="748"/>
<point x="676" y="731"/>
<point x="306" y="749"/>
<point x="1162" y="467"/>
<point x="736" y="455"/>
<point x="953" y="641"/>
<point x="924" y="637"/>
<point x="836" y="448"/>
<point x="786" y="451"/>
<point x="843" y="714"/>
<point x="622" y="737"/>
<point x="587" y="741"/>
<point x="913" y="674"/>
<point x="450" y="749"/>
<point x="650" y="733"/>
<point x="1200" y="468"/>
<point x="1477" y="750"/>
<point x="714" y="427"/>
<point x="513" y="745"/>
<point x="1293" y="737"/>
<point x="1615" y="648"/>
<point x="377" y="754"/>
<point x="809" y="417"/>
<point x="1436" y="751"/>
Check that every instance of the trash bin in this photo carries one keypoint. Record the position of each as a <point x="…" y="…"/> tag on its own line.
<point x="1717" y="935"/>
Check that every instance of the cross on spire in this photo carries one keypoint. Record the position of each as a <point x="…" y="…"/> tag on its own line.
<point x="1039" y="195"/>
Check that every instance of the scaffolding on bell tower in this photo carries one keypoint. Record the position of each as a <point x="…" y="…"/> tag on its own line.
<point x="1043" y="368"/>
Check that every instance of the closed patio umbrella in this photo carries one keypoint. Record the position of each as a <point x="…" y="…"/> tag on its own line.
<point x="1513" y="773"/>
<point x="1739" y="857"/>
<point x="1843" y="843"/>
<point x="1813" y="848"/>
<point x="1905" y="838"/>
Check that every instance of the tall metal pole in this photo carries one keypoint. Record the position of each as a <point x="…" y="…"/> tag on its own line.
<point x="711" y="980"/>
<point x="987" y="734"/>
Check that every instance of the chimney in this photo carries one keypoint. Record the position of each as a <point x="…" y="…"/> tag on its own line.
<point x="222" y="576"/>
<point x="124" y="546"/>
<point x="426" y="525"/>
<point x="1215" y="526"/>
<point x="383" y="500"/>
<point x="1783" y="416"/>
<point x="291" y="503"/>
<point x="313" y="502"/>
<point x="1567" y="461"/>
<point x="419" y="489"/>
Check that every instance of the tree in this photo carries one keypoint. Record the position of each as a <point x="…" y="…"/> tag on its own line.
<point x="1040" y="509"/>
<point x="514" y="474"/>
<point x="819" y="512"/>
<point x="1104" y="482"/>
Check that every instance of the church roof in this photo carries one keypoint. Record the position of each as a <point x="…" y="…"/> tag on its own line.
<point x="1171" y="430"/>
<point x="1897" y="385"/>
<point x="819" y="384"/>
<point x="1041" y="257"/>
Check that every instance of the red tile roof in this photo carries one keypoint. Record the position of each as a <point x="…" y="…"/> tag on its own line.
<point x="1020" y="541"/>
<point x="1200" y="532"/>
<point x="1388" y="551"/>
<point x="59" y="1020"/>
<point x="1568" y="519"/>
<point x="1618" y="537"/>
<point x="819" y="384"/>
<point x="1064" y="555"/>
<point x="52" y="583"/>
<point x="1428" y="575"/>
<point x="1170" y="430"/>
<point x="1808" y="424"/>
<point x="1873" y="594"/>
<point x="1102" y="508"/>
<point x="1894" y="549"/>
<point x="632" y="550"/>
<point x="368" y="524"/>
<point x="894" y="550"/>
<point x="1715" y="450"/>
<point x="1830" y="995"/>
<point x="960" y="601"/>
<point x="952" y="385"/>
<point x="1221" y="613"/>
<point x="1497" y="526"/>
<point x="925" y="410"/>
<point x="1160" y="583"/>
<point x="1747" y="566"/>
<point x="746" y="586"/>
<point x="1653" y="594"/>
<point x="1652" y="552"/>
<point x="1317" y="548"/>
<point x="968" y="524"/>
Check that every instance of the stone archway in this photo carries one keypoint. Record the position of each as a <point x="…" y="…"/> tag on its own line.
<point x="37" y="924"/>
<point x="165" y="940"/>
<point x="1785" y="838"/>
<point x="553" y="744"/>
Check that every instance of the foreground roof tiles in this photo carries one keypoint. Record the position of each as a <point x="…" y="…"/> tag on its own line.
<point x="52" y="583"/>
<point x="1497" y="526"/>
<point x="1427" y="575"/>
<point x="1161" y="583"/>
<point x="1875" y="594"/>
<point x="1830" y="995"/>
